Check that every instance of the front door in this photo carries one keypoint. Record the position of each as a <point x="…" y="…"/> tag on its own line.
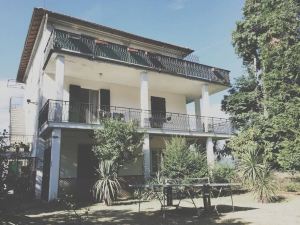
<point x="86" y="171"/>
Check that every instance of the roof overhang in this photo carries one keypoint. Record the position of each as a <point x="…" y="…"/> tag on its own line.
<point x="36" y="21"/>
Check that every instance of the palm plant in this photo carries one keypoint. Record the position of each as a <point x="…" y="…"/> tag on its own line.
<point x="265" y="187"/>
<point x="107" y="187"/>
<point x="250" y="167"/>
<point x="256" y="175"/>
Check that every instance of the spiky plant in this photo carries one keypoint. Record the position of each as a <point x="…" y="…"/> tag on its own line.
<point x="256" y="175"/>
<point x="107" y="187"/>
<point x="265" y="187"/>
<point x="250" y="167"/>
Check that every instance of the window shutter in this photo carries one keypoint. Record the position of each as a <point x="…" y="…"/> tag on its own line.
<point x="105" y="99"/>
<point x="74" y="113"/>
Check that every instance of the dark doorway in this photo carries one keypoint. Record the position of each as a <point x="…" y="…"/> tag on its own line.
<point x="83" y="105"/>
<point x="105" y="99"/>
<point x="46" y="174"/>
<point x="158" y="112"/>
<point x="86" y="171"/>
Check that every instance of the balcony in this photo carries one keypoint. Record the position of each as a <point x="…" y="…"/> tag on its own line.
<point x="95" y="49"/>
<point x="84" y="113"/>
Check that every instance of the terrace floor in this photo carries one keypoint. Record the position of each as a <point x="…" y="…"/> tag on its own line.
<point x="247" y="211"/>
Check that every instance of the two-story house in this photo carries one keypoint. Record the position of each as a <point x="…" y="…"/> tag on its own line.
<point x="77" y="72"/>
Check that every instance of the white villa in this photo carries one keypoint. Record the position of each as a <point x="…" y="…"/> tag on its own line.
<point x="77" y="72"/>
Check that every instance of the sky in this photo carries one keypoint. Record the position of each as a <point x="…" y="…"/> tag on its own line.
<point x="202" y="25"/>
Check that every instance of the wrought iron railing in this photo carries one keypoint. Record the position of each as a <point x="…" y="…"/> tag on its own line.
<point x="99" y="49"/>
<point x="76" y="112"/>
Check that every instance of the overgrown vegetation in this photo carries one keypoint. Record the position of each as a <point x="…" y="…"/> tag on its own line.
<point x="264" y="104"/>
<point x="223" y="173"/>
<point x="117" y="143"/>
<point x="14" y="176"/>
<point x="180" y="161"/>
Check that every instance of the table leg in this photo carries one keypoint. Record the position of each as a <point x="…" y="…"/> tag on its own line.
<point x="231" y="199"/>
<point x="140" y="197"/>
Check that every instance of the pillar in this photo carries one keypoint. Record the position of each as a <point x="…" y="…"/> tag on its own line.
<point x="146" y="154"/>
<point x="198" y="120"/>
<point x="210" y="152"/>
<point x="144" y="98"/>
<point x="205" y="109"/>
<point x="59" y="85"/>
<point x="55" y="162"/>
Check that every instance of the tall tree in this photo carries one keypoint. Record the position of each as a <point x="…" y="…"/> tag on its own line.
<point x="267" y="39"/>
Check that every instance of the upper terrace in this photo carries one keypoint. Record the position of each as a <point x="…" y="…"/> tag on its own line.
<point x="87" y="41"/>
<point x="96" y="49"/>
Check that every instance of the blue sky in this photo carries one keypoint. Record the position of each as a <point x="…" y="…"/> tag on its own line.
<point x="202" y="25"/>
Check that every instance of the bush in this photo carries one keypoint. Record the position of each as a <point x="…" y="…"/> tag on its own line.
<point x="223" y="173"/>
<point x="180" y="161"/>
<point x="292" y="187"/>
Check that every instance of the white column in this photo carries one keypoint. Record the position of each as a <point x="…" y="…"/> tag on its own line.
<point x="54" y="165"/>
<point x="198" y="121"/>
<point x="146" y="153"/>
<point x="197" y="107"/>
<point x="144" y="98"/>
<point x="59" y="76"/>
<point x="205" y="106"/>
<point x="210" y="152"/>
<point x="59" y="85"/>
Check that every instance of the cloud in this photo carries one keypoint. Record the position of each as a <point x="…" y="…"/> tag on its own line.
<point x="177" y="4"/>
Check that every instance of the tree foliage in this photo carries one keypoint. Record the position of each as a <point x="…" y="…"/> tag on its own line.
<point x="118" y="141"/>
<point x="180" y="161"/>
<point x="267" y="100"/>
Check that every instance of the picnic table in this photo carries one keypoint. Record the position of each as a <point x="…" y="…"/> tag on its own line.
<point x="166" y="199"/>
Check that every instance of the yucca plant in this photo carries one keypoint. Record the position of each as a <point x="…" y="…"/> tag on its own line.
<point x="250" y="167"/>
<point x="107" y="187"/>
<point x="265" y="187"/>
<point x="256" y="175"/>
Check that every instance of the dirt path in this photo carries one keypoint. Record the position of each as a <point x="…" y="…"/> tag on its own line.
<point x="247" y="211"/>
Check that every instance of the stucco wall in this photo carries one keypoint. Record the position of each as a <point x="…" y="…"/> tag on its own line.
<point x="69" y="149"/>
<point x="126" y="96"/>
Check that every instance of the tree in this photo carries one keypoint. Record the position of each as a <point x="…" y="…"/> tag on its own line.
<point x="116" y="143"/>
<point x="243" y="103"/>
<point x="4" y="146"/>
<point x="180" y="161"/>
<point x="267" y="101"/>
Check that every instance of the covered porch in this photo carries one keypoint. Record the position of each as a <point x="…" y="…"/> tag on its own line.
<point x="69" y="164"/>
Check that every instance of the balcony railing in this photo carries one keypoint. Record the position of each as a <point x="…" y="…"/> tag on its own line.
<point x="103" y="50"/>
<point x="86" y="113"/>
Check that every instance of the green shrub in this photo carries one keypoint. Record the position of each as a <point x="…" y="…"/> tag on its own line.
<point x="292" y="187"/>
<point x="223" y="173"/>
<point x="180" y="161"/>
